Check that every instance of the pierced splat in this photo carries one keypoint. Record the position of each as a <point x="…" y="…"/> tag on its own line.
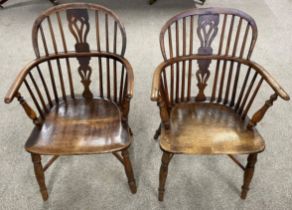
<point x="207" y="30"/>
<point x="79" y="27"/>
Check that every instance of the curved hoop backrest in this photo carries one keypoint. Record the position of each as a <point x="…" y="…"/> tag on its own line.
<point x="220" y="31"/>
<point x="71" y="31"/>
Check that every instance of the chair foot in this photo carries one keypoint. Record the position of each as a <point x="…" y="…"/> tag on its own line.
<point x="54" y="2"/>
<point x="248" y="174"/>
<point x="152" y="1"/>
<point x="129" y="171"/>
<point x="166" y="157"/>
<point x="39" y="173"/>
<point x="157" y="133"/>
<point x="130" y="131"/>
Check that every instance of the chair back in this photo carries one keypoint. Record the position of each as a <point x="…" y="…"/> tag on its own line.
<point x="67" y="27"/>
<point x="209" y="31"/>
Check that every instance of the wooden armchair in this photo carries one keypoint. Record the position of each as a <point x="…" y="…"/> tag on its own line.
<point x="78" y="94"/>
<point x="211" y="48"/>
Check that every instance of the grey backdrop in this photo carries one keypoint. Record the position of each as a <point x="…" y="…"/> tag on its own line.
<point x="194" y="182"/>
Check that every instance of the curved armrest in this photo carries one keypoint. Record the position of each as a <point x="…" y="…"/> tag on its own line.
<point x="270" y="80"/>
<point x="12" y="92"/>
<point x="267" y="77"/>
<point x="156" y="81"/>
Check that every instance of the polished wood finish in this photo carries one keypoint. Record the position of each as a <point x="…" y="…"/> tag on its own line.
<point x="39" y="173"/>
<point x="129" y="171"/>
<point x="166" y="158"/>
<point x="72" y="117"/>
<point x="199" y="128"/>
<point x="80" y="127"/>
<point x="220" y="115"/>
<point x="248" y="174"/>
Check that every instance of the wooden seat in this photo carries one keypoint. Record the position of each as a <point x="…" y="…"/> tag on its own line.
<point x="209" y="91"/>
<point x="209" y="129"/>
<point x="78" y="92"/>
<point x="80" y="127"/>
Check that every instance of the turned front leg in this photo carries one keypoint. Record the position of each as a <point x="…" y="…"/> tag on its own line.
<point x="166" y="157"/>
<point x="129" y="171"/>
<point x="248" y="174"/>
<point x="39" y="173"/>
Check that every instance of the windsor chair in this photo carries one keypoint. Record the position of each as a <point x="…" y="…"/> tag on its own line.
<point x="72" y="117"/>
<point x="211" y="47"/>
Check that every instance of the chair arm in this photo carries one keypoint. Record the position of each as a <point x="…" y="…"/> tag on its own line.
<point x="130" y="75"/>
<point x="270" y="80"/>
<point x="265" y="74"/>
<point x="21" y="76"/>
<point x="156" y="81"/>
<point x="13" y="90"/>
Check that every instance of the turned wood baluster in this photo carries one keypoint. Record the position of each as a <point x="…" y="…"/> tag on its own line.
<point x="166" y="157"/>
<point x="129" y="171"/>
<point x="258" y="116"/>
<point x="39" y="173"/>
<point x="248" y="174"/>
<point x="28" y="110"/>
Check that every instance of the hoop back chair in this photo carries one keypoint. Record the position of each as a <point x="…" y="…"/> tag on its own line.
<point x="78" y="88"/>
<point x="211" y="48"/>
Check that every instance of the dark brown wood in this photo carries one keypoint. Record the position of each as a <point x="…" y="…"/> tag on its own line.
<point x="164" y="113"/>
<point x="207" y="30"/>
<point x="28" y="110"/>
<point x="97" y="22"/>
<point x="76" y="123"/>
<point x="129" y="171"/>
<point x="157" y="132"/>
<point x="213" y="120"/>
<point x="39" y="173"/>
<point x="166" y="157"/>
<point x="118" y="156"/>
<point x="45" y="86"/>
<point x="41" y="114"/>
<point x="248" y="174"/>
<point x="236" y="161"/>
<point x="50" y="162"/>
<point x="258" y="116"/>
